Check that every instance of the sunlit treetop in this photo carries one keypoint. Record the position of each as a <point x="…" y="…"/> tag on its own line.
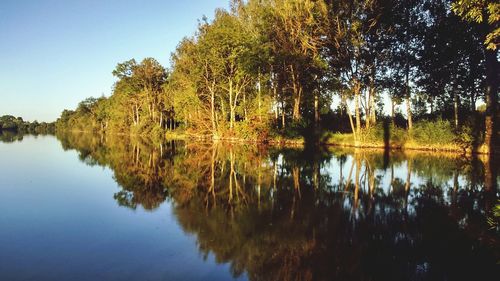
<point x="481" y="11"/>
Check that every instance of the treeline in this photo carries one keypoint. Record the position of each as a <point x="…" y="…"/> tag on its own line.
<point x="10" y="123"/>
<point x="288" y="67"/>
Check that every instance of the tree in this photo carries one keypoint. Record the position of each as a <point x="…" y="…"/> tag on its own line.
<point x="128" y="88"/>
<point x="450" y="64"/>
<point x="150" y="77"/>
<point x="297" y="42"/>
<point x="348" y="51"/>
<point x="486" y="14"/>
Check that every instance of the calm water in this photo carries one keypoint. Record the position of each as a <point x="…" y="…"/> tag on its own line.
<point x="83" y="207"/>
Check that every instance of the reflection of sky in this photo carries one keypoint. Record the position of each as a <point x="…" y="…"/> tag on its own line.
<point x="332" y="168"/>
<point x="59" y="220"/>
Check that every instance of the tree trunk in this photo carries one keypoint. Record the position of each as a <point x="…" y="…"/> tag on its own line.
<point x="296" y="104"/>
<point x="297" y="94"/>
<point x="472" y="104"/>
<point x="407" y="69"/>
<point x="212" y="113"/>
<point x="231" y="108"/>
<point x="455" y="108"/>
<point x="276" y="113"/>
<point x="373" y="112"/>
<point x="245" y="105"/>
<point x="352" y="125"/>
<point x="356" y="109"/>
<point x="259" y="98"/>
<point x="133" y="116"/>
<point x="368" y="112"/>
<point x="393" y="113"/>
<point x="296" y="178"/>
<point x="408" y="111"/>
<point x="371" y="101"/>
<point x="316" y="175"/>
<point x="223" y="112"/>
<point x="316" y="109"/>
<point x="153" y="111"/>
<point x="492" y="74"/>
<point x="137" y="113"/>
<point x="283" y="123"/>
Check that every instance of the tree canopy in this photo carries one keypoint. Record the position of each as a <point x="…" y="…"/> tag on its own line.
<point x="288" y="68"/>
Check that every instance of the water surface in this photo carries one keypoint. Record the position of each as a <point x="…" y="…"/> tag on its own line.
<point x="84" y="207"/>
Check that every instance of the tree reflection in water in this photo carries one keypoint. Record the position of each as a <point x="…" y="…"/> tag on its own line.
<point x="290" y="214"/>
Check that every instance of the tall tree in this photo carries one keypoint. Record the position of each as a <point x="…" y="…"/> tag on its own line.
<point x="486" y="14"/>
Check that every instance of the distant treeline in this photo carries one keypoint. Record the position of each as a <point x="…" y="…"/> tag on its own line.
<point x="268" y="68"/>
<point x="10" y="123"/>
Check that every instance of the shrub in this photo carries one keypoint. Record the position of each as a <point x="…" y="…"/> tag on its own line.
<point x="377" y="134"/>
<point x="293" y="130"/>
<point x="251" y="130"/>
<point x="157" y="132"/>
<point x="337" y="138"/>
<point x="433" y="132"/>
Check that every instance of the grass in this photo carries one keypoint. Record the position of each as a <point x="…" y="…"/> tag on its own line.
<point x="425" y="135"/>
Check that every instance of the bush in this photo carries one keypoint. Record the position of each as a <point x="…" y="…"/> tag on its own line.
<point x="396" y="136"/>
<point x="428" y="134"/>
<point x="251" y="130"/>
<point x="433" y="132"/>
<point x="293" y="129"/>
<point x="337" y="138"/>
<point x="157" y="132"/>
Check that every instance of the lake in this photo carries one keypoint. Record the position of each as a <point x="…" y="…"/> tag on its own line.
<point x="92" y="207"/>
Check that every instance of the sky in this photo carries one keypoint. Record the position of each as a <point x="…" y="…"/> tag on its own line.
<point x="55" y="53"/>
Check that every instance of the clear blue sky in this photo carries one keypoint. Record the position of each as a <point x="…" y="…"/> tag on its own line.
<point x="55" y="53"/>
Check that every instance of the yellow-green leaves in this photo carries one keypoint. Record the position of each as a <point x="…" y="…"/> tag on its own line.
<point x="476" y="11"/>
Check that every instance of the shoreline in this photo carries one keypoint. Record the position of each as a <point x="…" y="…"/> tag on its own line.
<point x="284" y="142"/>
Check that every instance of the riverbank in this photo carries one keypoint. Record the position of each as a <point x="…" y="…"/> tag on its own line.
<point x="278" y="140"/>
<point x="402" y="141"/>
<point x="348" y="140"/>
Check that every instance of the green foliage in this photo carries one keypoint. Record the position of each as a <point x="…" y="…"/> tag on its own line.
<point x="465" y="137"/>
<point x="10" y="136"/>
<point x="396" y="136"/>
<point x="433" y="132"/>
<point x="136" y="106"/>
<point x="494" y="219"/>
<point x="271" y="69"/>
<point x="480" y="11"/>
<point x="18" y="125"/>
<point x="252" y="130"/>
<point x="338" y="138"/>
<point x="439" y="134"/>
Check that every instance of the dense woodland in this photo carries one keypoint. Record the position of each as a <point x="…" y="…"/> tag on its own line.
<point x="289" y="68"/>
<point x="11" y="124"/>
